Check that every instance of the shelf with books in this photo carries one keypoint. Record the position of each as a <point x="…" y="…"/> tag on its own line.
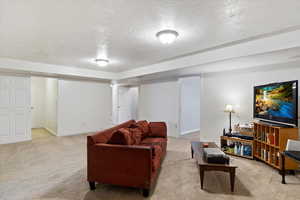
<point x="272" y="145"/>
<point x="270" y="141"/>
<point x="236" y="139"/>
<point x="267" y="154"/>
<point x="233" y="154"/>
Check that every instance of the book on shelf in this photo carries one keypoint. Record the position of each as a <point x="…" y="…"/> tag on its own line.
<point x="265" y="155"/>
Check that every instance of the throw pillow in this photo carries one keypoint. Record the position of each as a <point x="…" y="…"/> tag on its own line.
<point x="121" y="136"/>
<point x="144" y="126"/>
<point x="136" y="135"/>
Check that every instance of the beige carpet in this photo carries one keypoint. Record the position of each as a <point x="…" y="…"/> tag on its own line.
<point x="55" y="168"/>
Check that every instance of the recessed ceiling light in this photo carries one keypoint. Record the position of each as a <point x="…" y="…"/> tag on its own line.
<point x="102" y="62"/>
<point x="167" y="36"/>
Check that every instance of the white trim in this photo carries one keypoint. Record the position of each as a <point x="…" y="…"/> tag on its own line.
<point x="50" y="131"/>
<point x="189" y="131"/>
<point x="34" y="68"/>
<point x="237" y="49"/>
<point x="15" y="140"/>
<point x="257" y="45"/>
<point x="78" y="133"/>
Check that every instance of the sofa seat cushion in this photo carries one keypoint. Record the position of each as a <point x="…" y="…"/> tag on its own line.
<point x="154" y="140"/>
<point x="122" y="136"/>
<point x="160" y="141"/>
<point x="156" y="148"/>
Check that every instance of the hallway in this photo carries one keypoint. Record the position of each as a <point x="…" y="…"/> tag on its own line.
<point x="40" y="133"/>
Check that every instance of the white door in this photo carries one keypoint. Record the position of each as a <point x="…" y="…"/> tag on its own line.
<point x="124" y="104"/>
<point x="15" y="118"/>
<point x="37" y="102"/>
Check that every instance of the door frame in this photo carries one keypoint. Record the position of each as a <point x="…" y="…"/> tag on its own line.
<point x="116" y="100"/>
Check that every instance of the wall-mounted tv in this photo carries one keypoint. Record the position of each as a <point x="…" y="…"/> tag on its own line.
<point x="277" y="102"/>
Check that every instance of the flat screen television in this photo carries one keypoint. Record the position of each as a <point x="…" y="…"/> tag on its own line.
<point x="277" y="102"/>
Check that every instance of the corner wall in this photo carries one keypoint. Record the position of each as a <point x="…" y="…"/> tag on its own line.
<point x="235" y="88"/>
<point x="83" y="107"/>
<point x="160" y="102"/>
<point x="189" y="104"/>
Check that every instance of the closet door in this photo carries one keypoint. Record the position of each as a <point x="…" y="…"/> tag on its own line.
<point x="15" y="112"/>
<point x="124" y="104"/>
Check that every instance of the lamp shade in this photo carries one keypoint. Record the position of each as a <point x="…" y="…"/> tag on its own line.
<point x="229" y="108"/>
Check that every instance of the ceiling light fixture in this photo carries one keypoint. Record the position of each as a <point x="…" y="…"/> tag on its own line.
<point x="167" y="36"/>
<point x="102" y="62"/>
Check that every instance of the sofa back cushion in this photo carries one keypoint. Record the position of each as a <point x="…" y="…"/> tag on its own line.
<point x="136" y="135"/>
<point x="126" y="136"/>
<point x="143" y="125"/>
<point x="122" y="136"/>
<point x="105" y="135"/>
<point x="157" y="129"/>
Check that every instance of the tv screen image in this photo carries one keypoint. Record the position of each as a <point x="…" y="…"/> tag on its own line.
<point x="277" y="102"/>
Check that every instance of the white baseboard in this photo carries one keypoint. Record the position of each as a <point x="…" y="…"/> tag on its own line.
<point x="50" y="131"/>
<point x="37" y="127"/>
<point x="190" y="131"/>
<point x="68" y="133"/>
<point x="14" y="140"/>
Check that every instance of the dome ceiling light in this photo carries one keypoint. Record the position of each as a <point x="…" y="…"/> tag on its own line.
<point x="102" y="62"/>
<point x="167" y="36"/>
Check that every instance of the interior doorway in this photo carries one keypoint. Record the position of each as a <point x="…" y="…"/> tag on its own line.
<point x="44" y="92"/>
<point x="190" y="105"/>
<point x="14" y="109"/>
<point x="125" y="100"/>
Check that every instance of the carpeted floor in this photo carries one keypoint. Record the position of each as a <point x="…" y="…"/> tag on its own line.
<point x="51" y="168"/>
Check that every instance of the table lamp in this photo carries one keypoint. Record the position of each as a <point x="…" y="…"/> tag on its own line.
<point x="229" y="108"/>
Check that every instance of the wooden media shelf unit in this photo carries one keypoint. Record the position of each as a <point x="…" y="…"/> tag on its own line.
<point x="225" y="147"/>
<point x="270" y="141"/>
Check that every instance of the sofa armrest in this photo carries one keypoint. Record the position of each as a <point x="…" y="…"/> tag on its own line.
<point x="158" y="129"/>
<point x="120" y="164"/>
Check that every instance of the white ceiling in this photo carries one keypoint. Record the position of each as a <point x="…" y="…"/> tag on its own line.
<point x="75" y="32"/>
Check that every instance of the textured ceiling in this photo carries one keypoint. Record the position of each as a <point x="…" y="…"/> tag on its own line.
<point x="75" y="32"/>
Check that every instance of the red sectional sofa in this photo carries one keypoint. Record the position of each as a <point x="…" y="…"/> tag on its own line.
<point x="129" y="154"/>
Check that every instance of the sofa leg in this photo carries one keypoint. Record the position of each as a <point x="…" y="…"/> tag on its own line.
<point x="145" y="192"/>
<point x="92" y="185"/>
